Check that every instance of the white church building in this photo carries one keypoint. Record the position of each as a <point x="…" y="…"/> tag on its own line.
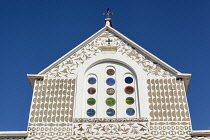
<point x="109" y="88"/>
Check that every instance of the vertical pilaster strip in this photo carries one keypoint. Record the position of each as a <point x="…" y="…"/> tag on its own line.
<point x="42" y="101"/>
<point x="150" y="99"/>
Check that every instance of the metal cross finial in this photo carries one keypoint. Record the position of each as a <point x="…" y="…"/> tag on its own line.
<point x="109" y="41"/>
<point x="108" y="13"/>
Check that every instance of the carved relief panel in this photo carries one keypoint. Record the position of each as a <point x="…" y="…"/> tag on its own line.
<point x="69" y="67"/>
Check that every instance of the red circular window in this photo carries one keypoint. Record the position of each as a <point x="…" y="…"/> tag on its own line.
<point x="110" y="72"/>
<point x="129" y="90"/>
<point x="91" y="90"/>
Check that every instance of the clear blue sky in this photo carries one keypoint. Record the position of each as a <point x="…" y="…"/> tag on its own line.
<point x="35" y="33"/>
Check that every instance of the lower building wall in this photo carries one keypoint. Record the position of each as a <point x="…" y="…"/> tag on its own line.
<point x="137" y="137"/>
<point x="51" y="115"/>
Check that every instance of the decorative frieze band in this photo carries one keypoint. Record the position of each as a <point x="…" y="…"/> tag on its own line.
<point x="170" y="128"/>
<point x="91" y="128"/>
<point x="104" y="120"/>
<point x="129" y="128"/>
<point x="118" y="137"/>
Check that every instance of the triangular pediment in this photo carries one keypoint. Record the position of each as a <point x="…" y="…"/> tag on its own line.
<point x="67" y="65"/>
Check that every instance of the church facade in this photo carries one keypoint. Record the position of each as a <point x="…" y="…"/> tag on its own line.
<point x="108" y="87"/>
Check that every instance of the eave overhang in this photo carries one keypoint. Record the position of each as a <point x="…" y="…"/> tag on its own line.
<point x="200" y="133"/>
<point x="186" y="78"/>
<point x="33" y="77"/>
<point x="13" y="134"/>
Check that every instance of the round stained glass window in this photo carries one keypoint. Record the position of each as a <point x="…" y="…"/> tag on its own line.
<point x="91" y="90"/>
<point x="129" y="90"/>
<point x="91" y="112"/>
<point x="110" y="81"/>
<point x="129" y="80"/>
<point x="91" y="101"/>
<point x="129" y="100"/>
<point x="110" y="112"/>
<point x="110" y="101"/>
<point x="130" y="111"/>
<point x="92" y="80"/>
<point x="110" y="91"/>
<point x="110" y="72"/>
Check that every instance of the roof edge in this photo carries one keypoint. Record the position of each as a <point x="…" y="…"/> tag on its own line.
<point x="186" y="77"/>
<point x="72" y="51"/>
<point x="201" y="133"/>
<point x="138" y="47"/>
<point x="33" y="77"/>
<point x="13" y="134"/>
<point x="144" y="51"/>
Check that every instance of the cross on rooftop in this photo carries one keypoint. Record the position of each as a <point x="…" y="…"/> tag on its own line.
<point x="109" y="41"/>
<point x="108" y="13"/>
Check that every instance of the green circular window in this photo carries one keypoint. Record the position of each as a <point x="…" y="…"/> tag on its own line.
<point x="91" y="101"/>
<point x="129" y="100"/>
<point x="110" y="101"/>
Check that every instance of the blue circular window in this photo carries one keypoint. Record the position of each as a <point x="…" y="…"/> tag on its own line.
<point x="130" y="111"/>
<point x="110" y="112"/>
<point x="110" y="81"/>
<point x="92" y="80"/>
<point x="129" y="80"/>
<point x="91" y="112"/>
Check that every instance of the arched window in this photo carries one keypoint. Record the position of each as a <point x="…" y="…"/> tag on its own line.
<point x="110" y="91"/>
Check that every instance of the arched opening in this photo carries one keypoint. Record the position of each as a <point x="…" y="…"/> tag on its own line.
<point x="110" y="90"/>
<point x="136" y="104"/>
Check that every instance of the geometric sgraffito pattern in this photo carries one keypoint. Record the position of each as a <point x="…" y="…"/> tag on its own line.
<point x="69" y="67"/>
<point x="52" y="106"/>
<point x="129" y="128"/>
<point x="55" y="131"/>
<point x="111" y="137"/>
<point x="168" y="107"/>
<point x="125" y="127"/>
<point x="167" y="100"/>
<point x="108" y="137"/>
<point x="170" y="128"/>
